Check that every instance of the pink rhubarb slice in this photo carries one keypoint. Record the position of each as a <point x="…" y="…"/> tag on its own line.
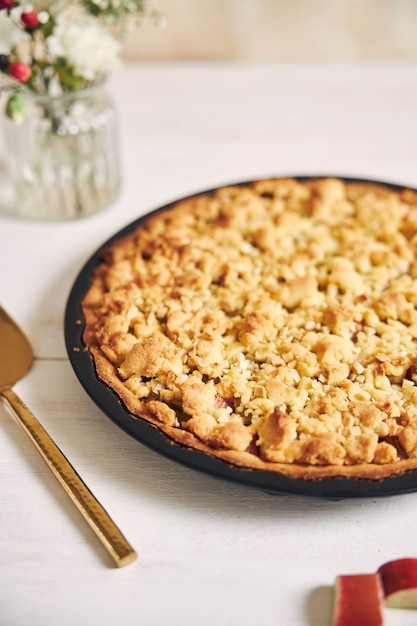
<point x="399" y="580"/>
<point x="359" y="600"/>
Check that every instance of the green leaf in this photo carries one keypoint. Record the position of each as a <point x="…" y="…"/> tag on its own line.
<point x="15" y="108"/>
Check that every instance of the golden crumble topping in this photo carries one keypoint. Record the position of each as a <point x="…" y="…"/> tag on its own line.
<point x="272" y="324"/>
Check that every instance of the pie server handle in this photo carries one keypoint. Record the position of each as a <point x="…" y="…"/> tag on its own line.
<point x="91" y="509"/>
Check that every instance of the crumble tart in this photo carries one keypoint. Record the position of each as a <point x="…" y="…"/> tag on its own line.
<point x="271" y="324"/>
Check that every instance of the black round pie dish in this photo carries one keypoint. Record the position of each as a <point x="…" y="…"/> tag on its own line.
<point x="110" y="404"/>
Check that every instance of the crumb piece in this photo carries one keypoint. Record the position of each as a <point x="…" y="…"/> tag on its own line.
<point x="231" y="436"/>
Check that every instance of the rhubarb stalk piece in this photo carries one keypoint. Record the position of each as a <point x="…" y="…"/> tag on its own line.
<point x="359" y="600"/>
<point x="399" y="580"/>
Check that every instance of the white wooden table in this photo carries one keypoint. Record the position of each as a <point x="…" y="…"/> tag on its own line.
<point x="210" y="552"/>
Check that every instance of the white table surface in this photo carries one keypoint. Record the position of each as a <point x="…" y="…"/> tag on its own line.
<point x="210" y="552"/>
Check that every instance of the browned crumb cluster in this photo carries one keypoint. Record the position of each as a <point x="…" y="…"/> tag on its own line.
<point x="272" y="324"/>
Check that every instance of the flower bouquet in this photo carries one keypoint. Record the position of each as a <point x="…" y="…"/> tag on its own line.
<point x="60" y="123"/>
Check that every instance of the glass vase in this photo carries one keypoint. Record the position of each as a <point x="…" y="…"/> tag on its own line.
<point x="64" y="157"/>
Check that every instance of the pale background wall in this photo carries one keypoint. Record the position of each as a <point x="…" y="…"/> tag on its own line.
<point x="279" y="30"/>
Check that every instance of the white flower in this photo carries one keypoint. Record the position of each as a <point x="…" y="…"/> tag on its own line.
<point x="10" y="35"/>
<point x="87" y="47"/>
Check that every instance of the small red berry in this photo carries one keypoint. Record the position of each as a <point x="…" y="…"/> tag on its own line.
<point x="20" y="71"/>
<point x="6" y="4"/>
<point x="30" y="20"/>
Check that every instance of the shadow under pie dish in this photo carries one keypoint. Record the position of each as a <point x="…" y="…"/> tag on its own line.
<point x="263" y="331"/>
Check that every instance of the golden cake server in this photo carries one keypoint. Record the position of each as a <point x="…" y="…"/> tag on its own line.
<point x="16" y="357"/>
